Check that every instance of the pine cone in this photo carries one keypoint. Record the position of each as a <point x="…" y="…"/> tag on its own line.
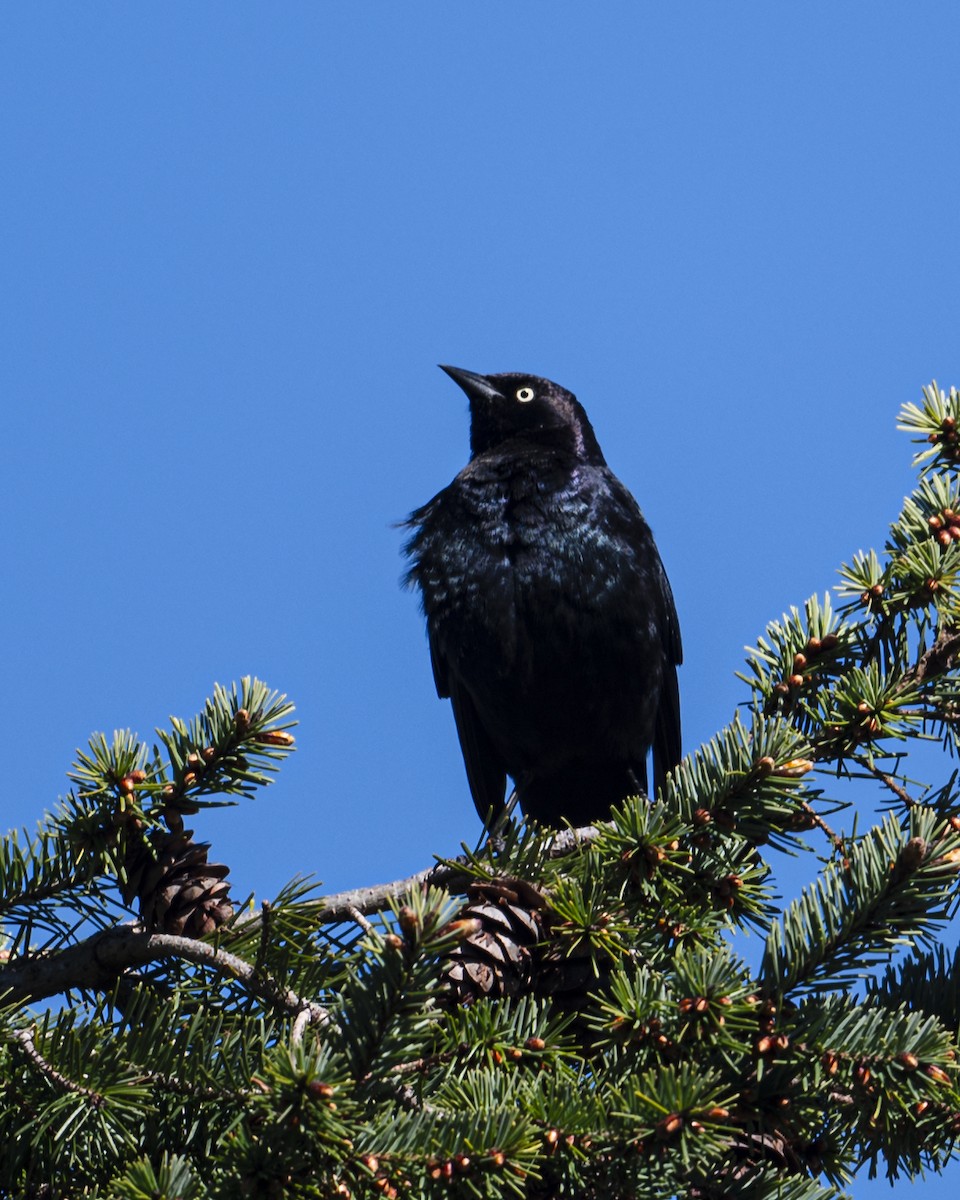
<point x="177" y="889"/>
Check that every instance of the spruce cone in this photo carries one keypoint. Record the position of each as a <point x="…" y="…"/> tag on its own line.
<point x="177" y="889"/>
<point x="512" y="953"/>
<point x="498" y="960"/>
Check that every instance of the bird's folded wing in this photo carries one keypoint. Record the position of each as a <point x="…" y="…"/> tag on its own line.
<point x="485" y="772"/>
<point x="666" y="734"/>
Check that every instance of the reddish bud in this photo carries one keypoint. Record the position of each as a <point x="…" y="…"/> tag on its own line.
<point x="462" y="928"/>
<point x="910" y="1061"/>
<point x="793" y="768"/>
<point x="241" y="720"/>
<point x="951" y="859"/>
<point x="274" y="737"/>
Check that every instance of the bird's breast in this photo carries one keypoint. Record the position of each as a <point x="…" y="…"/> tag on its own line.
<point x="533" y="556"/>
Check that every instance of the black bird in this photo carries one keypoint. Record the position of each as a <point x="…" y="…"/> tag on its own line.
<point x="551" y="622"/>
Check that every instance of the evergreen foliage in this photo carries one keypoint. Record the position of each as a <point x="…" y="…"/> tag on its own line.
<point x="158" y="1043"/>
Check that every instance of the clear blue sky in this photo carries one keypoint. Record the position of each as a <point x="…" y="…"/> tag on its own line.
<point x="237" y="238"/>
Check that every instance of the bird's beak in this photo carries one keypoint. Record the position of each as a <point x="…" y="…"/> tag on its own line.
<point x="477" y="387"/>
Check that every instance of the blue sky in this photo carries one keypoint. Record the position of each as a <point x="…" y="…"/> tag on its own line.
<point x="237" y="238"/>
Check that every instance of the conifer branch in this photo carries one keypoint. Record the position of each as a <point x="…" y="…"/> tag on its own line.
<point x="24" y="1039"/>
<point x="888" y="781"/>
<point x="95" y="964"/>
<point x="447" y="874"/>
<point x="940" y="658"/>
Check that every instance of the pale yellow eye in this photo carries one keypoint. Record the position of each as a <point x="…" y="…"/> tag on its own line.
<point x="525" y="395"/>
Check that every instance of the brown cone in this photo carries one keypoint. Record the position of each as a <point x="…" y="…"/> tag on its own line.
<point x="511" y="952"/>
<point x="499" y="959"/>
<point x="178" y="891"/>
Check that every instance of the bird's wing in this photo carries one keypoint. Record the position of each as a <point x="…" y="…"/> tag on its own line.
<point x="666" y="732"/>
<point x="486" y="774"/>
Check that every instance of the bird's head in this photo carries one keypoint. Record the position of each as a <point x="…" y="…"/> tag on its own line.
<point x="512" y="405"/>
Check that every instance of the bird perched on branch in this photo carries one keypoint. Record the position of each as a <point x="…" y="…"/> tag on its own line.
<point x="551" y="622"/>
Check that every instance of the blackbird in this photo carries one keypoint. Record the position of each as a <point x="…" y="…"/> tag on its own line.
<point x="551" y="622"/>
